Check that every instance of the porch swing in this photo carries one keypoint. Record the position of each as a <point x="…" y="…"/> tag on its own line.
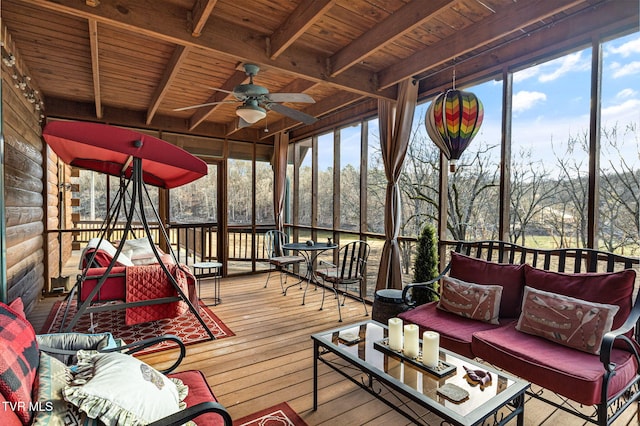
<point x="137" y="159"/>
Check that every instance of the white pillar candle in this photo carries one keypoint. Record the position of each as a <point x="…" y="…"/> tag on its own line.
<point x="430" y="348"/>
<point x="395" y="334"/>
<point x="411" y="341"/>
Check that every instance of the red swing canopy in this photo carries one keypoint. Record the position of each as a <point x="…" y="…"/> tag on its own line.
<point x="110" y="150"/>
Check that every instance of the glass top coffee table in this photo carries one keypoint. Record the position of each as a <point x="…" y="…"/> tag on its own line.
<point x="409" y="387"/>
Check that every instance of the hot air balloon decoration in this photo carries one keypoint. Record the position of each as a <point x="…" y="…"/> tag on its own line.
<point x="453" y="119"/>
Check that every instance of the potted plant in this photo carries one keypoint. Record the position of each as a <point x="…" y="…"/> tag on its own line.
<point x="426" y="264"/>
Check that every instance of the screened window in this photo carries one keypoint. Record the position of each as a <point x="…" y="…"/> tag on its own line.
<point x="325" y="180"/>
<point x="619" y="212"/>
<point x="550" y="152"/>
<point x="350" y="197"/>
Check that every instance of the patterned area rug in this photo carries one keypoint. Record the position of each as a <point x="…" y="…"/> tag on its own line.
<point x="278" y="415"/>
<point x="186" y="327"/>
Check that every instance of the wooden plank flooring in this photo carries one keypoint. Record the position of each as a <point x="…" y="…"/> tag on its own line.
<point x="269" y="360"/>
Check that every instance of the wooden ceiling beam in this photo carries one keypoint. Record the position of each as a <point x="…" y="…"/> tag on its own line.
<point x="303" y="17"/>
<point x="170" y="72"/>
<point x="297" y="86"/>
<point x="95" y="66"/>
<point x="395" y="26"/>
<point x="222" y="38"/>
<point x="490" y="29"/>
<point x="203" y="113"/>
<point x="200" y="14"/>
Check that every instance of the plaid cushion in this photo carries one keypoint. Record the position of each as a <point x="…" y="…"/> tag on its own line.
<point x="19" y="360"/>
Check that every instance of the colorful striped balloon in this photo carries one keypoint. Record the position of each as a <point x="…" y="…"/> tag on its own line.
<point x="453" y="119"/>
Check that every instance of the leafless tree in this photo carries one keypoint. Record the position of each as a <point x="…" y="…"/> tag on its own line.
<point x="531" y="193"/>
<point x="473" y="195"/>
<point x="620" y="189"/>
<point x="573" y="185"/>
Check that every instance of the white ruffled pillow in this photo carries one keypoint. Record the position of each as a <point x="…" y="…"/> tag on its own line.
<point x="120" y="389"/>
<point x="140" y="251"/>
<point x="108" y="248"/>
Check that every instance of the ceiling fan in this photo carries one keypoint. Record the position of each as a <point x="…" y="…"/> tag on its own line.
<point x="256" y="100"/>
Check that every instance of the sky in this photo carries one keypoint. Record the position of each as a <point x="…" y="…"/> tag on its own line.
<point x="550" y="105"/>
<point x="551" y="102"/>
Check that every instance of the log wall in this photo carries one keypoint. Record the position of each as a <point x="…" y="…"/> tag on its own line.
<point x="24" y="199"/>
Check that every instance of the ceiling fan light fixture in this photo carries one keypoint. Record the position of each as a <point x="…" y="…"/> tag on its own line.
<point x="251" y="113"/>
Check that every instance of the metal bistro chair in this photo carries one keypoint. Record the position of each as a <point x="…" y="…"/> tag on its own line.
<point x="352" y="260"/>
<point x="273" y="242"/>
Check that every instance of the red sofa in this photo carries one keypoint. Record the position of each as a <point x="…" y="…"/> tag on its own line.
<point x="36" y="387"/>
<point x="550" y="327"/>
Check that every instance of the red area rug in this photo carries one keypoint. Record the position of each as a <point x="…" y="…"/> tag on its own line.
<point x="278" y="415"/>
<point x="186" y="327"/>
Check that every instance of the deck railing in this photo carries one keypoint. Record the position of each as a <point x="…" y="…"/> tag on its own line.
<point x="245" y="245"/>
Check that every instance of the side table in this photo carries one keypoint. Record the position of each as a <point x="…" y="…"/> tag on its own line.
<point x="202" y="270"/>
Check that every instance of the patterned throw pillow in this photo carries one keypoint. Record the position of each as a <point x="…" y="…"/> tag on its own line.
<point x="610" y="288"/>
<point x="475" y="301"/>
<point x="19" y="359"/>
<point x="509" y="277"/>
<point x="120" y="389"/>
<point x="566" y="320"/>
<point x="50" y="407"/>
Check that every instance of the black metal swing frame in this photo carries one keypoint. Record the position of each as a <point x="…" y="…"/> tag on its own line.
<point x="136" y="186"/>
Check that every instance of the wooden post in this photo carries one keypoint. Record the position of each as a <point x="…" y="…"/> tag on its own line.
<point x="505" y="156"/>
<point x="443" y="199"/>
<point x="593" y="195"/>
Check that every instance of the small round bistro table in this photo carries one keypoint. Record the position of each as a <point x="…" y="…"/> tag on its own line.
<point x="310" y="252"/>
<point x="202" y="270"/>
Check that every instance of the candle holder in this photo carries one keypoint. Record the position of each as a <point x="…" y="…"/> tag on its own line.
<point x="442" y="369"/>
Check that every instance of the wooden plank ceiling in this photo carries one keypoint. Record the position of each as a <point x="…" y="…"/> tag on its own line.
<point x="134" y="62"/>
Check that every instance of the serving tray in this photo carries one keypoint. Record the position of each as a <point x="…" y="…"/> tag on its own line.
<point x="442" y="369"/>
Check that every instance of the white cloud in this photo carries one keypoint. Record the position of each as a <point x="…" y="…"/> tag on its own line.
<point x="625" y="112"/>
<point x="626" y="93"/>
<point x="525" y="74"/>
<point x="561" y="66"/>
<point x="524" y="100"/>
<point x="626" y="49"/>
<point x="627" y="69"/>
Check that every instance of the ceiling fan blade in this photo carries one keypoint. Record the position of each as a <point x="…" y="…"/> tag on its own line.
<point x="203" y="105"/>
<point x="291" y="113"/>
<point x="220" y="90"/>
<point x="290" y="97"/>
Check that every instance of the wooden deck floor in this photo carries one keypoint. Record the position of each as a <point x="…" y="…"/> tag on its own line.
<point x="269" y="360"/>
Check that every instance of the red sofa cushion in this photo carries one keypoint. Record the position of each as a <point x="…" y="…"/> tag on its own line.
<point x="567" y="371"/>
<point x="479" y="271"/>
<point x="19" y="359"/>
<point x="113" y="288"/>
<point x="613" y="288"/>
<point x="455" y="331"/>
<point x="199" y="391"/>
